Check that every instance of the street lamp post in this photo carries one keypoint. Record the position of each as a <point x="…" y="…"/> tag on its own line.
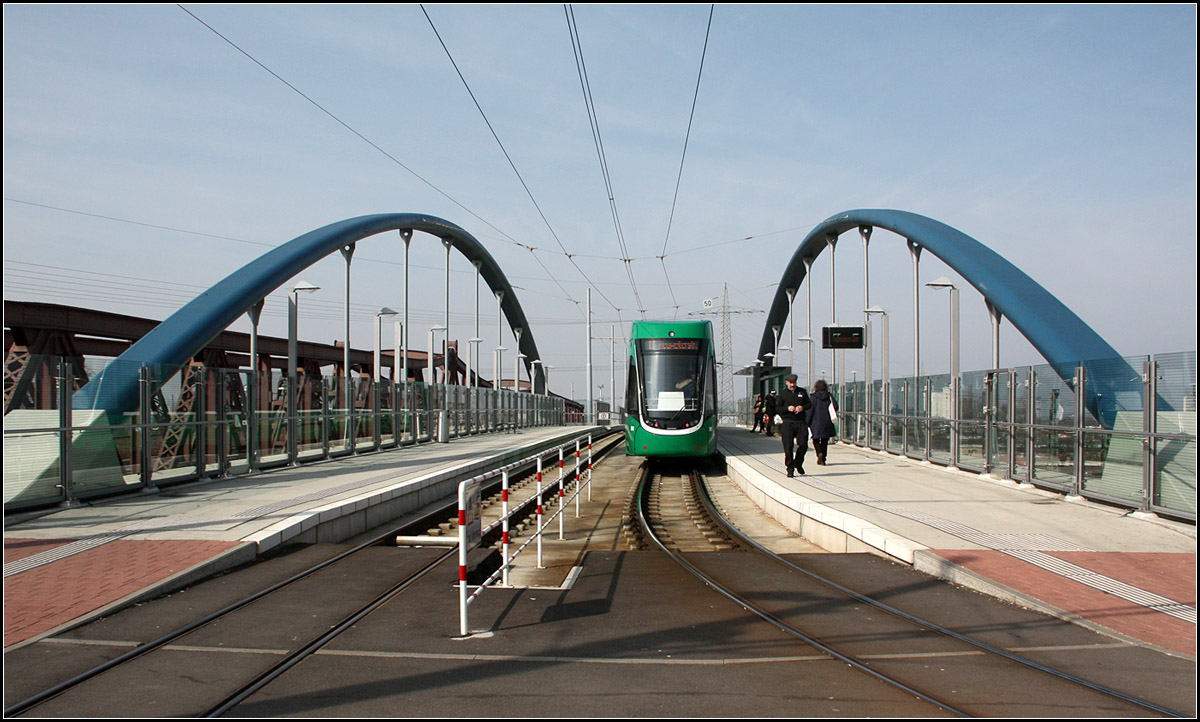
<point x="533" y="374"/>
<point x="791" y="293"/>
<point x="944" y="282"/>
<point x="808" y="340"/>
<point x="351" y="428"/>
<point x="474" y="342"/>
<point x="252" y="430"/>
<point x="443" y="432"/>
<point x="377" y="360"/>
<point x="399" y="390"/>
<point x="293" y="390"/>
<point x="429" y="361"/>
<point x="517" y="401"/>
<point x="499" y="385"/>
<point x="473" y="353"/>
<point x="884" y="378"/>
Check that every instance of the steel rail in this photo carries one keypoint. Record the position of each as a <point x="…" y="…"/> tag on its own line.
<point x="169" y="637"/>
<point x="297" y="656"/>
<point x="924" y="623"/>
<point x="783" y="626"/>
<point x="291" y="660"/>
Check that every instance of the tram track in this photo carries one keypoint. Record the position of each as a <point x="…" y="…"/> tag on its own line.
<point x="332" y="571"/>
<point x="847" y="629"/>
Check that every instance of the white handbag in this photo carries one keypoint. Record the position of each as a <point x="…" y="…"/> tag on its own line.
<point x="832" y="414"/>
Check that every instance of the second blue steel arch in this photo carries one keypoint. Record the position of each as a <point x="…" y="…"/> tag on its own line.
<point x="1062" y="338"/>
<point x="186" y="332"/>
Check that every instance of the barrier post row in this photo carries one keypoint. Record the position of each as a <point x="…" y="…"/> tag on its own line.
<point x="578" y="479"/>
<point x="539" y="513"/>
<point x="589" y="469"/>
<point x="504" y="525"/>
<point x="471" y="525"/>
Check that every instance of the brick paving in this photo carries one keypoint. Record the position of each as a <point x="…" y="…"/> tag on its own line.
<point x="1171" y="575"/>
<point x="17" y="549"/>
<point x="45" y="597"/>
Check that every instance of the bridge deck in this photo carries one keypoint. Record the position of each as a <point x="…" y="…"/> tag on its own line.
<point x="83" y="562"/>
<point x="1093" y="564"/>
<point x="1096" y="565"/>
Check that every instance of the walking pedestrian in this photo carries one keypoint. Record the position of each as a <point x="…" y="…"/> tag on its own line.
<point x="793" y="403"/>
<point x="757" y="413"/>
<point x="822" y="417"/>
<point x="769" y="413"/>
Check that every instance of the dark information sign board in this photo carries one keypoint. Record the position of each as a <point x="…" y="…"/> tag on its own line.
<point x="842" y="337"/>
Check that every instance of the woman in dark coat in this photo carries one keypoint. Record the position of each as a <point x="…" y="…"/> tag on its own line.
<point x="757" y="413"/>
<point x="820" y="424"/>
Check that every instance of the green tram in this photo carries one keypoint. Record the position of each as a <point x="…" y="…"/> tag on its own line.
<point x="671" y="392"/>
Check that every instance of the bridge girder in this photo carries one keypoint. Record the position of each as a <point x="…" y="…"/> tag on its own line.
<point x="1060" y="336"/>
<point x="174" y="341"/>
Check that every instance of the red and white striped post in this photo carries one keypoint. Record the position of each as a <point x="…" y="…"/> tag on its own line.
<point x="539" y="513"/>
<point x="589" y="481"/>
<point x="504" y="525"/>
<point x="560" y="493"/>
<point x="578" y="479"/>
<point x="469" y="534"/>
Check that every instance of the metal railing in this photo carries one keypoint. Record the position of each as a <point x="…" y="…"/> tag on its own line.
<point x="1028" y="425"/>
<point x="208" y="426"/>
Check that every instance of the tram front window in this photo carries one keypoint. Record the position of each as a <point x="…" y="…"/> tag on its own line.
<point x="672" y="377"/>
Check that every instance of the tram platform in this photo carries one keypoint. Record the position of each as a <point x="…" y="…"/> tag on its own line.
<point x="1092" y="564"/>
<point x="69" y="565"/>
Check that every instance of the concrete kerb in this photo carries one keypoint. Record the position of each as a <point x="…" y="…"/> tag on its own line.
<point x="828" y="528"/>
<point x="348" y="517"/>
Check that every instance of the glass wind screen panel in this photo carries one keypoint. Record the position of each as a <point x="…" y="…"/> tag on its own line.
<point x="673" y="373"/>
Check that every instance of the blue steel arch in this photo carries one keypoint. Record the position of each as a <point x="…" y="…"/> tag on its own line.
<point x="177" y="339"/>
<point x="1062" y="338"/>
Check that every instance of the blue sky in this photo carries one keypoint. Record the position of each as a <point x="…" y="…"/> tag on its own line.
<point x="1063" y="137"/>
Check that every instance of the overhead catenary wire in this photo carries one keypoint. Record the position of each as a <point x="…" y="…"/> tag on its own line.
<point x="598" y="140"/>
<point x="686" y="137"/>
<point x="513" y="165"/>
<point x="534" y="249"/>
<point x="347" y="126"/>
<point x="389" y="156"/>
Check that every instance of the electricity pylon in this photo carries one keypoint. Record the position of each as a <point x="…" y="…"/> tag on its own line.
<point x="728" y="405"/>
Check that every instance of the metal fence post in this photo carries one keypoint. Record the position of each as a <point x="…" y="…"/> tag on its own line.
<point x="222" y="427"/>
<point x="1011" y="422"/>
<point x="1150" y="426"/>
<point x="326" y="424"/>
<point x="65" y="421"/>
<point x="1030" y="434"/>
<point x="200" y="415"/>
<point x="1080" y="409"/>
<point x="376" y="414"/>
<point x="928" y="417"/>
<point x="144" y="431"/>
<point x="989" y="421"/>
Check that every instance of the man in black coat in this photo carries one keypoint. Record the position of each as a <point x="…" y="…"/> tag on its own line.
<point x="793" y="402"/>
